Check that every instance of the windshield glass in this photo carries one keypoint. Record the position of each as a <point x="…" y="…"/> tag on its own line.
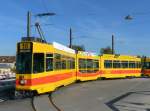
<point x="24" y="63"/>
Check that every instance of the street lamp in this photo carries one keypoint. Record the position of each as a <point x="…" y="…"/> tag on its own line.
<point x="36" y="15"/>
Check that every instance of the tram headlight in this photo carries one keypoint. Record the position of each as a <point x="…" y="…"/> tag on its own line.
<point x="23" y="82"/>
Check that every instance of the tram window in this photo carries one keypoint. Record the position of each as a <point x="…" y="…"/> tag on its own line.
<point x="24" y="63"/>
<point x="116" y="64"/>
<point x="124" y="64"/>
<point x="82" y="63"/>
<point x="63" y="63"/>
<point x="57" y="56"/>
<point x="83" y="71"/>
<point x="108" y="64"/>
<point x="72" y="63"/>
<point x="57" y="61"/>
<point x="68" y="63"/>
<point x="89" y="63"/>
<point x="132" y="64"/>
<point x="49" y="55"/>
<point x="147" y="65"/>
<point x="38" y="62"/>
<point x="139" y="64"/>
<point x="49" y="62"/>
<point x="57" y="65"/>
<point x="96" y="64"/>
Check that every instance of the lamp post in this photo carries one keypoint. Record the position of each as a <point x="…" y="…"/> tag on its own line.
<point x="70" y="39"/>
<point x="113" y="44"/>
<point x="36" y="15"/>
<point x="29" y="24"/>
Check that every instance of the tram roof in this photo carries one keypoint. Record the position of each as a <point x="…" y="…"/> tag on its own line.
<point x="63" y="47"/>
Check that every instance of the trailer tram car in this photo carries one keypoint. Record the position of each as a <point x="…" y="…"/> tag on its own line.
<point x="120" y="66"/>
<point x="42" y="67"/>
<point x="146" y="66"/>
<point x="88" y="66"/>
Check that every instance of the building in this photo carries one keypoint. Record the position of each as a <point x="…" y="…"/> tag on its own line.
<point x="7" y="63"/>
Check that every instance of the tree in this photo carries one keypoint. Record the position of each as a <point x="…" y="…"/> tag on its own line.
<point x="13" y="69"/>
<point x="106" y="50"/>
<point x="78" y="47"/>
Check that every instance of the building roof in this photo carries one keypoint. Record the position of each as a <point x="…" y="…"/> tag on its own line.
<point x="4" y="66"/>
<point x="7" y="59"/>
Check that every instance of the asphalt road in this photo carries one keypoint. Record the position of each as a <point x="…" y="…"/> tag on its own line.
<point x="102" y="95"/>
<point x="108" y="95"/>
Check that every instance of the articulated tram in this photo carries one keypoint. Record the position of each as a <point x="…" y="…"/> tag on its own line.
<point x="43" y="67"/>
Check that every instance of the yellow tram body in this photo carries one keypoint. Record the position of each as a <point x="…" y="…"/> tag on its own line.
<point x="120" y="66"/>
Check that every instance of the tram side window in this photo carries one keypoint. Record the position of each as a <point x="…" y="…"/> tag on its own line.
<point x="49" y="62"/>
<point x="71" y="63"/>
<point x="82" y="65"/>
<point x="38" y="62"/>
<point x="116" y="64"/>
<point x="124" y="64"/>
<point x="147" y="65"/>
<point x="132" y="64"/>
<point x="89" y="65"/>
<point x="63" y="62"/>
<point x="57" y="60"/>
<point x="139" y="64"/>
<point x="108" y="64"/>
<point x="96" y="65"/>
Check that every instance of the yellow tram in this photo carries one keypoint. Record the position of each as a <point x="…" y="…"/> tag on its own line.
<point x="42" y="67"/>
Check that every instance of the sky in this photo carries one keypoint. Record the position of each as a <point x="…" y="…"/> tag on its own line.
<point x="92" y="21"/>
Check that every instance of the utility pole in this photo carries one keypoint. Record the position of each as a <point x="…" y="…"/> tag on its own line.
<point x="112" y="44"/>
<point x="70" y="38"/>
<point x="29" y="24"/>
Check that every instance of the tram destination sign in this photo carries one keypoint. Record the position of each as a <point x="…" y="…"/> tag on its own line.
<point x="24" y="47"/>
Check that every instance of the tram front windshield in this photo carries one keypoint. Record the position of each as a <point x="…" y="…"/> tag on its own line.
<point x="24" y="63"/>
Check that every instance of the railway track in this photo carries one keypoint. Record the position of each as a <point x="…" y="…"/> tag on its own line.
<point x="44" y="103"/>
<point x="2" y="100"/>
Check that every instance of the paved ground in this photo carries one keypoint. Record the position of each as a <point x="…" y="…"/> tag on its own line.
<point x="42" y="103"/>
<point x="106" y="95"/>
<point x="18" y="105"/>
